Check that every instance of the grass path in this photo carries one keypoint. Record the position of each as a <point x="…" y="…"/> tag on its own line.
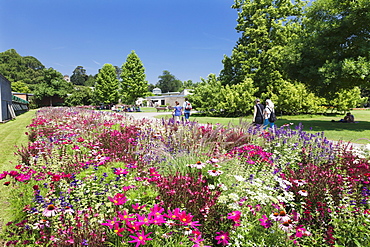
<point x="12" y="134"/>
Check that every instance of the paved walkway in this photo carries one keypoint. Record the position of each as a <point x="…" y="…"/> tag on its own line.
<point x="148" y="115"/>
<point x="151" y="115"/>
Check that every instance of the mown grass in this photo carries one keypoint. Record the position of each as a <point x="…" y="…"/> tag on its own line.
<point x="358" y="132"/>
<point x="12" y="135"/>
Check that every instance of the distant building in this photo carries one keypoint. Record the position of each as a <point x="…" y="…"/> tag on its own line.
<point x="167" y="98"/>
<point x="67" y="78"/>
<point x="6" y="110"/>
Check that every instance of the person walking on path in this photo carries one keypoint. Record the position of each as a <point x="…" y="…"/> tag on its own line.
<point x="258" y="112"/>
<point x="177" y="111"/>
<point x="187" y="108"/>
<point x="270" y="108"/>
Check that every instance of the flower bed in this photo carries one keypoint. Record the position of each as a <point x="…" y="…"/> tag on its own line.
<point x="90" y="178"/>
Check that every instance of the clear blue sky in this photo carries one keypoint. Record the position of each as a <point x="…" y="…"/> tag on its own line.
<point x="188" y="38"/>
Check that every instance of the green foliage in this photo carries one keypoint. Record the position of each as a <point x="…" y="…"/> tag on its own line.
<point x="214" y="99"/>
<point x="266" y="27"/>
<point x="334" y="49"/>
<point x="79" y="76"/>
<point x="20" y="87"/>
<point x="80" y="96"/>
<point x="106" y="88"/>
<point x="168" y="82"/>
<point x="347" y="98"/>
<point x="295" y="98"/>
<point x="133" y="76"/>
<point x="51" y="85"/>
<point x="17" y="68"/>
<point x="207" y="95"/>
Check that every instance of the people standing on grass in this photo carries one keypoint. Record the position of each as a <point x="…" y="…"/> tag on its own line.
<point x="267" y="112"/>
<point x="258" y="112"/>
<point x="177" y="111"/>
<point x="187" y="108"/>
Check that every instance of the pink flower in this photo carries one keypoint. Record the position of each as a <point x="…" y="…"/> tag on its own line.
<point x="215" y="173"/>
<point x="222" y="238"/>
<point x="111" y="223"/>
<point x="137" y="206"/>
<point x="300" y="232"/>
<point x="265" y="222"/>
<point x="125" y="216"/>
<point x="120" y="171"/>
<point x="184" y="218"/>
<point x="286" y="226"/>
<point x="140" y="238"/>
<point x="235" y="216"/>
<point x="49" y="211"/>
<point x="118" y="199"/>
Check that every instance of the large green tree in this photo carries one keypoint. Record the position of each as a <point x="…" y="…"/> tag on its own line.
<point x="52" y="85"/>
<point x="133" y="79"/>
<point x="25" y="69"/>
<point x="79" y="76"/>
<point x="334" y="51"/>
<point x="168" y="82"/>
<point x="266" y="28"/>
<point x="106" y="87"/>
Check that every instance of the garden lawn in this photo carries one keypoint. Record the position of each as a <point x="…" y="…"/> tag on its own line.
<point x="357" y="133"/>
<point x="12" y="134"/>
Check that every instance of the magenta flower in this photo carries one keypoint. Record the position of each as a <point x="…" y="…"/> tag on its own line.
<point x="111" y="223"/>
<point x="140" y="238"/>
<point x="120" y="171"/>
<point x="117" y="230"/>
<point x="184" y="218"/>
<point x="118" y="199"/>
<point x="222" y="238"/>
<point x="265" y="222"/>
<point x="125" y="216"/>
<point x="137" y="206"/>
<point x="235" y="216"/>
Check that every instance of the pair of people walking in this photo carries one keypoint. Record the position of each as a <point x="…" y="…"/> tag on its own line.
<point x="264" y="114"/>
<point x="179" y="110"/>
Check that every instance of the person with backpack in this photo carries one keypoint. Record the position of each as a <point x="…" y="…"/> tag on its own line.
<point x="258" y="113"/>
<point x="187" y="108"/>
<point x="269" y="114"/>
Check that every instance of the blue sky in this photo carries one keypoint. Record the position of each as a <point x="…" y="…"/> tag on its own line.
<point x="188" y="38"/>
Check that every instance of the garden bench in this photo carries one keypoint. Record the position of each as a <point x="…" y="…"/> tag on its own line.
<point x="161" y="108"/>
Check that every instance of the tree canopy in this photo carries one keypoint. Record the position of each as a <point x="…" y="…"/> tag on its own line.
<point x="168" y="82"/>
<point x="106" y="87"/>
<point x="134" y="83"/>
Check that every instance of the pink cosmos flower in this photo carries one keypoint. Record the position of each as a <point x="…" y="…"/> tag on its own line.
<point x="118" y="199"/>
<point x="222" y="238"/>
<point x="140" y="238"/>
<point x="117" y="230"/>
<point x="120" y="171"/>
<point x="184" y="218"/>
<point x="235" y="216"/>
<point x="300" y="232"/>
<point x="111" y="223"/>
<point x="137" y="206"/>
<point x="265" y="222"/>
<point x="125" y="216"/>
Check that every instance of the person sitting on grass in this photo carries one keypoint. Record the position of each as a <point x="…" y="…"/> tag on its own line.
<point x="348" y="118"/>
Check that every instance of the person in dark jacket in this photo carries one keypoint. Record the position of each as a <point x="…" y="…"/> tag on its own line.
<point x="258" y="112"/>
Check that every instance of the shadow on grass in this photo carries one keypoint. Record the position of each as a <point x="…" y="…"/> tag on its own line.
<point x="322" y="125"/>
